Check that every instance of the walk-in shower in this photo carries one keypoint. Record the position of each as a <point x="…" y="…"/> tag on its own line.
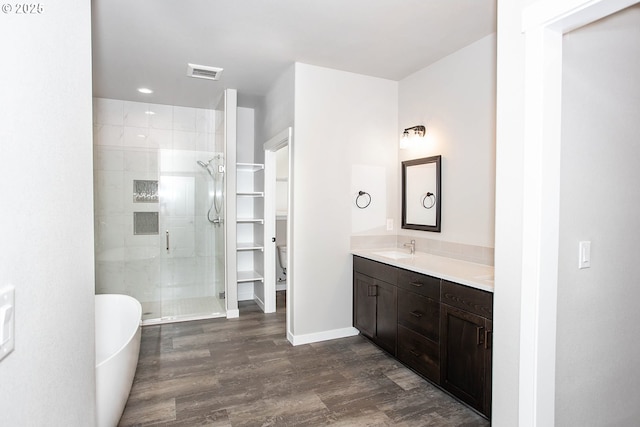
<point x="159" y="218"/>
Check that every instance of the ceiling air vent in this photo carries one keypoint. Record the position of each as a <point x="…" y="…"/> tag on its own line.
<point x="203" y="72"/>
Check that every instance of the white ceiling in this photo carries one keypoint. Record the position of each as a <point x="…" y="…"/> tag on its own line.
<point x="149" y="42"/>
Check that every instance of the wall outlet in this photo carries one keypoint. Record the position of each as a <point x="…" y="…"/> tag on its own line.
<point x="389" y="224"/>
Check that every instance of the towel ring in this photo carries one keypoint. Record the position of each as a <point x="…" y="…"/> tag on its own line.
<point x="362" y="194"/>
<point x="432" y="199"/>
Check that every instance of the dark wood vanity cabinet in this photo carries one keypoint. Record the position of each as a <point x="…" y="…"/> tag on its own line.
<point x="439" y="329"/>
<point x="465" y="349"/>
<point x="375" y="303"/>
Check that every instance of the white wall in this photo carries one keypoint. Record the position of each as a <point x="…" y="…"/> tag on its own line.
<point x="245" y="142"/>
<point x="276" y="114"/>
<point x="597" y="371"/>
<point x="341" y="120"/>
<point x="508" y="221"/>
<point x="455" y="98"/>
<point x="47" y="216"/>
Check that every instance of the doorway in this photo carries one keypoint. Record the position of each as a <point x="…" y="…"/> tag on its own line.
<point x="278" y="247"/>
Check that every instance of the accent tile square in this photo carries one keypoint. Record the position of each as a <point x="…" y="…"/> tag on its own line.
<point x="145" y="191"/>
<point x="145" y="223"/>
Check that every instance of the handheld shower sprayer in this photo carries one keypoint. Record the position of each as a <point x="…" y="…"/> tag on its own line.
<point x="216" y="202"/>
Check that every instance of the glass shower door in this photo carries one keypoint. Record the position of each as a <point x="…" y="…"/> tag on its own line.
<point x="190" y="228"/>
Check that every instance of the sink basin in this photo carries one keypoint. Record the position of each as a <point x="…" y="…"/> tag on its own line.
<point x="394" y="254"/>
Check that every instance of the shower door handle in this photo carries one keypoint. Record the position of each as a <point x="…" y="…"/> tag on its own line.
<point x="167" y="234"/>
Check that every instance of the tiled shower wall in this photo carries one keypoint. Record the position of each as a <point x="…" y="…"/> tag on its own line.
<point x="139" y="141"/>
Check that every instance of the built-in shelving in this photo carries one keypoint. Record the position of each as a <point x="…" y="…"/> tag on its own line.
<point x="248" y="222"/>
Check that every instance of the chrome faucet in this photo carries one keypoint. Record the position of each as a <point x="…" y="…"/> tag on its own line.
<point x="412" y="246"/>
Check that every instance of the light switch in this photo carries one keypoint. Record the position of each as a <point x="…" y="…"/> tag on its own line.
<point x="7" y="316"/>
<point x="389" y="224"/>
<point x="584" y="254"/>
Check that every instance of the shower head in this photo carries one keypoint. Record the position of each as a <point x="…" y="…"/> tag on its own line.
<point x="203" y="164"/>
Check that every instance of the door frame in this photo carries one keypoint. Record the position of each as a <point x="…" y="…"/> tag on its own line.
<point x="230" y="99"/>
<point x="543" y="24"/>
<point x="281" y="140"/>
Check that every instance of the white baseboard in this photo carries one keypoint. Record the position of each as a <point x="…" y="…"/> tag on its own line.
<point x="258" y="301"/>
<point x="321" y="336"/>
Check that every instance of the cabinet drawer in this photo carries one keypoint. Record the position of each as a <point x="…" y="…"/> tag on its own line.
<point x="375" y="269"/>
<point x="466" y="298"/>
<point x="419" y="283"/>
<point x="420" y="314"/>
<point x="419" y="353"/>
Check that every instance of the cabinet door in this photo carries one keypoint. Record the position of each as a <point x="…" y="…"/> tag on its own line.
<point x="386" y="316"/>
<point x="462" y="355"/>
<point x="488" y="363"/>
<point x="364" y="304"/>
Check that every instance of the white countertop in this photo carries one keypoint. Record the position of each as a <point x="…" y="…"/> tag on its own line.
<point x="477" y="276"/>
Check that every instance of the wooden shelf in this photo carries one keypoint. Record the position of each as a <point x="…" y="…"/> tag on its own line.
<point x="250" y="221"/>
<point x="249" y="167"/>
<point x="251" y="246"/>
<point x="249" y="276"/>
<point x="250" y="193"/>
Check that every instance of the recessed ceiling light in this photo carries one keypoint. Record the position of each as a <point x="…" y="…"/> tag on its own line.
<point x="151" y="113"/>
<point x="144" y="90"/>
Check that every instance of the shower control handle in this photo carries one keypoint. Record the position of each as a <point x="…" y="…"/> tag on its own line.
<point x="167" y="234"/>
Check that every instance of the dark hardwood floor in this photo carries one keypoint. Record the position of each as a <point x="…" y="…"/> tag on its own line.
<point x="244" y="372"/>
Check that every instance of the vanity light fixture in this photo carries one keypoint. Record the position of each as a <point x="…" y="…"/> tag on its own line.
<point x="414" y="131"/>
<point x="411" y="133"/>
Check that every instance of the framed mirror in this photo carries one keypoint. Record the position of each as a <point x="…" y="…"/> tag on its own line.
<point x="421" y="194"/>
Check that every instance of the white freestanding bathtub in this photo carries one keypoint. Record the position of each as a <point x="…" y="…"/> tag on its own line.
<point x="118" y="333"/>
